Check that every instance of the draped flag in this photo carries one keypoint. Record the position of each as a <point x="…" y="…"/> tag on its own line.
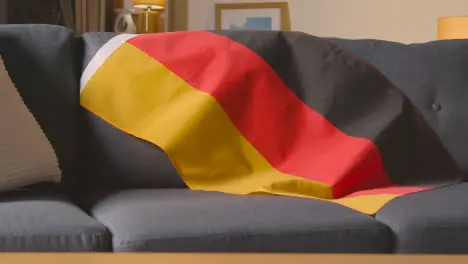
<point x="280" y="113"/>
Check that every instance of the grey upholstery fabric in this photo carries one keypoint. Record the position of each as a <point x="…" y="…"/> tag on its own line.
<point x="37" y="221"/>
<point x="434" y="76"/>
<point x="194" y="221"/>
<point x="435" y="221"/>
<point x="114" y="159"/>
<point x="40" y="61"/>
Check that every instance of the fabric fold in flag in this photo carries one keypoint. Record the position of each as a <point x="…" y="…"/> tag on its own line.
<point x="279" y="113"/>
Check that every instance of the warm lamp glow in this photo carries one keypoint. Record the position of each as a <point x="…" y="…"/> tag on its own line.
<point x="154" y="4"/>
<point x="452" y="28"/>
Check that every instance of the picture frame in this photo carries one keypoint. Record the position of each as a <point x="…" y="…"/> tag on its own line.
<point x="252" y="16"/>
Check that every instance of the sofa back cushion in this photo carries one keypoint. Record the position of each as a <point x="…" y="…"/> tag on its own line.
<point x="112" y="159"/>
<point x="434" y="76"/>
<point x="40" y="61"/>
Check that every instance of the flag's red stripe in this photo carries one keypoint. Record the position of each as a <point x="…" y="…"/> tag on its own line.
<point x="294" y="138"/>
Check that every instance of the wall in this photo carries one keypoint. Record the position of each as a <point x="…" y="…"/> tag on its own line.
<point x="396" y="20"/>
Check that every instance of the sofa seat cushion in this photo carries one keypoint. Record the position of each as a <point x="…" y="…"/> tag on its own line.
<point x="182" y="220"/>
<point x="43" y="221"/>
<point x="435" y="221"/>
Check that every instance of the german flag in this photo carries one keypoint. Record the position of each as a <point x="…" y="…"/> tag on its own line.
<point x="279" y="113"/>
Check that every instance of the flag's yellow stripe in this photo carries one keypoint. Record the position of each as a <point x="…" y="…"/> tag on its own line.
<point x="368" y="204"/>
<point x="142" y="97"/>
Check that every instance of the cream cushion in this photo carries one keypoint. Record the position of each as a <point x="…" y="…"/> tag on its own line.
<point x="26" y="155"/>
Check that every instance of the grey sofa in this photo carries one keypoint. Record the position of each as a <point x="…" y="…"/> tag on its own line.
<point x="120" y="194"/>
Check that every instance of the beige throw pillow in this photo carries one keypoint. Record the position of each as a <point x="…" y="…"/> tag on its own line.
<point x="26" y="155"/>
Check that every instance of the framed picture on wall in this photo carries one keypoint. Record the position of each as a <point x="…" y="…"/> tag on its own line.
<point x="252" y="16"/>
